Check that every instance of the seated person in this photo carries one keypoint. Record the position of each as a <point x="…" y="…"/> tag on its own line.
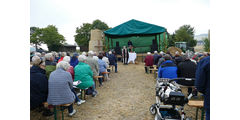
<point x="71" y="71"/>
<point x="112" y="60"/>
<point x="74" y="60"/>
<point x="148" y="61"/>
<point x="50" y="64"/>
<point x="102" y="67"/>
<point x="60" y="87"/>
<point x="168" y="68"/>
<point x="38" y="85"/>
<point x="84" y="73"/>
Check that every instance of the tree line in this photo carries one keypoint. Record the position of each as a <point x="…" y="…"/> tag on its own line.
<point x="55" y="40"/>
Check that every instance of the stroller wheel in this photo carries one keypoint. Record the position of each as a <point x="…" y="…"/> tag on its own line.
<point x="157" y="117"/>
<point x="188" y="118"/>
<point x="152" y="109"/>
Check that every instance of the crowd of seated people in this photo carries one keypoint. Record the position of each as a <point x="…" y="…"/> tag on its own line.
<point x="184" y="65"/>
<point x="52" y="75"/>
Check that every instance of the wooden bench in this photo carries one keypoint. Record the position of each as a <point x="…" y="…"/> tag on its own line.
<point x="95" y="79"/>
<point x="104" y="75"/>
<point x="56" y="109"/>
<point x="199" y="105"/>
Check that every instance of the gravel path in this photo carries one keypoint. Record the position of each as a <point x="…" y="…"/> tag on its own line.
<point x="127" y="96"/>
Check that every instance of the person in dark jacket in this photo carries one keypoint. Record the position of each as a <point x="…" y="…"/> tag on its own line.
<point x="168" y="68"/>
<point x="112" y="60"/>
<point x="186" y="69"/>
<point x="148" y="61"/>
<point x="74" y="60"/>
<point x="178" y="58"/>
<point x="125" y="55"/>
<point x="38" y="86"/>
<point x="202" y="82"/>
<point x="50" y="64"/>
<point x="156" y="57"/>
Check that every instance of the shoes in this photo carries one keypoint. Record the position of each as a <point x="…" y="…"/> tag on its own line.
<point x="78" y="94"/>
<point x="80" y="102"/>
<point x="47" y="112"/>
<point x="72" y="113"/>
<point x="94" y="94"/>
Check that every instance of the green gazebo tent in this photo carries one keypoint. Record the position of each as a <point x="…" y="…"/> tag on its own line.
<point x="143" y="36"/>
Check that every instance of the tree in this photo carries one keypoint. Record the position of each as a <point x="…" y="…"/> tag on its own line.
<point x="97" y="24"/>
<point x="52" y="38"/>
<point x="35" y="34"/>
<point x="171" y="40"/>
<point x="83" y="34"/>
<point x="186" y="34"/>
<point x="207" y="45"/>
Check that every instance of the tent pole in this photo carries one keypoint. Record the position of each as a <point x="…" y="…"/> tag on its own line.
<point x="164" y="39"/>
<point x="108" y="42"/>
<point x="111" y="43"/>
<point x="159" y="42"/>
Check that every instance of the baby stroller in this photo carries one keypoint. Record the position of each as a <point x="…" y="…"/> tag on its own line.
<point x="168" y="96"/>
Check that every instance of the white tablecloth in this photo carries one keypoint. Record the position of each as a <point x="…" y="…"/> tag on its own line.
<point x="132" y="57"/>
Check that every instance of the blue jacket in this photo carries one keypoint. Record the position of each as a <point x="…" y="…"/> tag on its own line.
<point x="38" y="86"/>
<point x="112" y="59"/>
<point x="74" y="61"/>
<point x="168" y="69"/>
<point x="202" y="82"/>
<point x="102" y="66"/>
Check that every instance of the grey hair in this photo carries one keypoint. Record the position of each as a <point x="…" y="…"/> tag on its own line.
<point x="38" y="54"/>
<point x="63" y="64"/>
<point x="90" y="53"/>
<point x="82" y="58"/>
<point x="155" y="52"/>
<point x="110" y="52"/>
<point x="48" y="56"/>
<point x="63" y="54"/>
<point x="36" y="60"/>
<point x="67" y="59"/>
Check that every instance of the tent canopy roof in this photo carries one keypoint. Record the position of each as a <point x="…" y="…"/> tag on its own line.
<point x="134" y="27"/>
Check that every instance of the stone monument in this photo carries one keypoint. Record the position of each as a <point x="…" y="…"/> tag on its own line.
<point x="96" y="40"/>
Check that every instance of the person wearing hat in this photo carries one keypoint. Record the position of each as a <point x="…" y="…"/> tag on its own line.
<point x="148" y="61"/>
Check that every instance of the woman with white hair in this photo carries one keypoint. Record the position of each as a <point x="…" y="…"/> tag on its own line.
<point x="71" y="71"/>
<point x="84" y="73"/>
<point x="50" y="64"/>
<point x="38" y="85"/>
<point x="60" y="87"/>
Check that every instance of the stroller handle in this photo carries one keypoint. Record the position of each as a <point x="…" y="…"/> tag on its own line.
<point x="187" y="79"/>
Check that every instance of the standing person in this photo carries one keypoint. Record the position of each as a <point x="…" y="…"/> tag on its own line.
<point x="148" y="61"/>
<point x="130" y="45"/>
<point x="168" y="68"/>
<point x="202" y="82"/>
<point x="92" y="63"/>
<point x="84" y="73"/>
<point x="125" y="55"/>
<point x="38" y="86"/>
<point x="112" y="60"/>
<point x="187" y="69"/>
<point x="60" y="87"/>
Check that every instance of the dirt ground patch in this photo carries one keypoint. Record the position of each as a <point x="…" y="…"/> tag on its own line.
<point x="127" y="96"/>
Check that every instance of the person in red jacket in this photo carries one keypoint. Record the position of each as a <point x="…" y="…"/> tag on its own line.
<point x="148" y="61"/>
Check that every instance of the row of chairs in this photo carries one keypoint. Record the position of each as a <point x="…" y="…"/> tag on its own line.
<point x="59" y="109"/>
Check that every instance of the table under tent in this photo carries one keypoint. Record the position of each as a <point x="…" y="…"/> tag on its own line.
<point x="144" y="36"/>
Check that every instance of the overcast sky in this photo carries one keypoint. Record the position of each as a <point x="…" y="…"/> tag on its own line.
<point x="66" y="15"/>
